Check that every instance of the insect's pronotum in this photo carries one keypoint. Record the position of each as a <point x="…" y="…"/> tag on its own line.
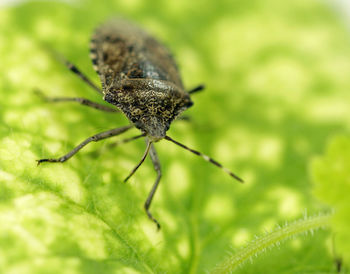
<point x="140" y="78"/>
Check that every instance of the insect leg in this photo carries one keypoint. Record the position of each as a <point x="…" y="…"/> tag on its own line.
<point x="78" y="100"/>
<point x="156" y="164"/>
<point x="124" y="141"/>
<point x="196" y="89"/>
<point x="117" y="143"/>
<point x="77" y="72"/>
<point x="183" y="118"/>
<point x="94" y="138"/>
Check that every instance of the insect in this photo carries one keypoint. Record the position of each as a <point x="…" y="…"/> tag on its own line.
<point x="139" y="78"/>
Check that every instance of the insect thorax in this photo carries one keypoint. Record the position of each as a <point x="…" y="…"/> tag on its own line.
<point x="149" y="104"/>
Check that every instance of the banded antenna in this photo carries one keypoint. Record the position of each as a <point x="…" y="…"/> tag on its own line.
<point x="207" y="158"/>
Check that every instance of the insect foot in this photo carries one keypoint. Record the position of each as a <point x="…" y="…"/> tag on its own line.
<point x="59" y="160"/>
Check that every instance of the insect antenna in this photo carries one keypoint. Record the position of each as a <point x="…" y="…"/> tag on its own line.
<point x="205" y="157"/>
<point x="140" y="163"/>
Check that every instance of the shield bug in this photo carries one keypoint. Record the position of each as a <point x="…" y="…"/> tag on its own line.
<point x="139" y="77"/>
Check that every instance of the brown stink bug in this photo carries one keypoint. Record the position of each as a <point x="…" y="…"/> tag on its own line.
<point x="141" y="79"/>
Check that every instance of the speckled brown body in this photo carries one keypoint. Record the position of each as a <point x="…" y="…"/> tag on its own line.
<point x="139" y="76"/>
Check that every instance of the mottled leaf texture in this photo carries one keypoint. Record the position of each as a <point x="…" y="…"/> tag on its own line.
<point x="331" y="174"/>
<point x="277" y="90"/>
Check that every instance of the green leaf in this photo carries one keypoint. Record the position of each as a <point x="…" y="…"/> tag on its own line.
<point x="277" y="83"/>
<point x="270" y="240"/>
<point x="332" y="185"/>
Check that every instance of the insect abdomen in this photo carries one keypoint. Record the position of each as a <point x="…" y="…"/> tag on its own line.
<point x="120" y="50"/>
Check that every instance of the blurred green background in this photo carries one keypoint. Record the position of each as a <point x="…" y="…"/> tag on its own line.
<point x="277" y="90"/>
